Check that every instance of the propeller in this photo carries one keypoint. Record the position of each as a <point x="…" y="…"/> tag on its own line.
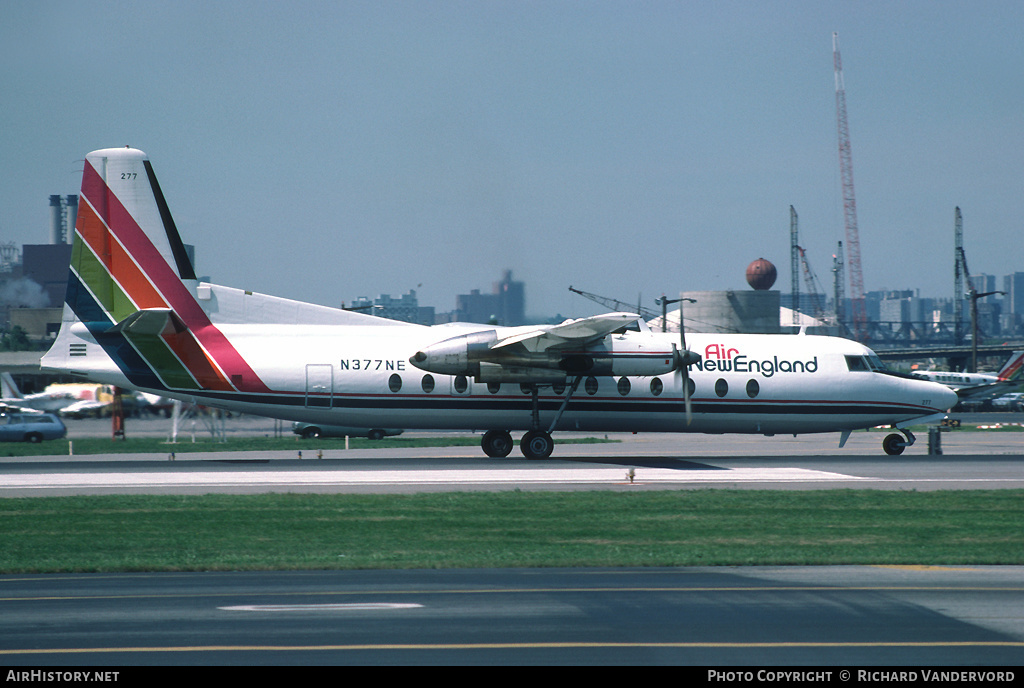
<point x="684" y="364"/>
<point x="684" y="358"/>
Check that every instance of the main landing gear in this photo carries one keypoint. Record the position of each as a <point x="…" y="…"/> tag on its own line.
<point x="894" y="444"/>
<point x="537" y="443"/>
<point x="497" y="444"/>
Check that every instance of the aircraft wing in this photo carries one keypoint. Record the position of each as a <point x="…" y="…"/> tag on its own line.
<point x="578" y="332"/>
<point x="551" y="352"/>
<point x="84" y="407"/>
<point x="987" y="391"/>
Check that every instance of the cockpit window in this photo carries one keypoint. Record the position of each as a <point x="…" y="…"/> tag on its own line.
<point x="876" y="364"/>
<point x="865" y="364"/>
<point x="857" y="364"/>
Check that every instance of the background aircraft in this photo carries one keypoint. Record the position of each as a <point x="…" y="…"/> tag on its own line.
<point x="979" y="386"/>
<point x="54" y="398"/>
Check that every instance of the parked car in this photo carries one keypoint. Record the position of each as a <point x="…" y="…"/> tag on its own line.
<point x="31" y="427"/>
<point x="311" y="430"/>
<point x="1009" y="402"/>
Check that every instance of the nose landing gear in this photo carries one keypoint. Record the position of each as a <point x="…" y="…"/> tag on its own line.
<point x="894" y="444"/>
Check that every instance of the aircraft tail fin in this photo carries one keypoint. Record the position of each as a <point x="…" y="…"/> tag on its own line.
<point x="132" y="290"/>
<point x="1013" y="367"/>
<point x="8" y="387"/>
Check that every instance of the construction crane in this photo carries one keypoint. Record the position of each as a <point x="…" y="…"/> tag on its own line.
<point x="837" y="284"/>
<point x="814" y="290"/>
<point x="860" y="317"/>
<point x="972" y="293"/>
<point x="617" y="305"/>
<point x="958" y="278"/>
<point x="794" y="260"/>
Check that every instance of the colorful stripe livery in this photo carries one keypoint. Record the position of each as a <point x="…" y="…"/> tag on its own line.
<point x="1011" y="370"/>
<point x="124" y="248"/>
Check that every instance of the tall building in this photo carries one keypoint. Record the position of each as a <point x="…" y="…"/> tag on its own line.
<point x="47" y="266"/>
<point x="1013" y="303"/>
<point x="407" y="308"/>
<point x="505" y="305"/>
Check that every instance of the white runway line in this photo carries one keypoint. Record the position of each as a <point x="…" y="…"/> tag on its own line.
<point x="352" y="606"/>
<point x="424" y="477"/>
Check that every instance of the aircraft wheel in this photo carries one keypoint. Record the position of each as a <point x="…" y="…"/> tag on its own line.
<point x="536" y="444"/>
<point x="497" y="444"/>
<point x="894" y="444"/>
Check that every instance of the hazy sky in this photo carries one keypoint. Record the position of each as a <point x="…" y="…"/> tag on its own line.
<point x="328" y="150"/>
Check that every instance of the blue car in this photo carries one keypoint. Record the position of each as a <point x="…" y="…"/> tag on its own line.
<point x="31" y="427"/>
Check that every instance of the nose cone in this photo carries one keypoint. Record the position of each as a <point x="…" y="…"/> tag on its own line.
<point x="431" y="361"/>
<point x="933" y="395"/>
<point x="947" y="398"/>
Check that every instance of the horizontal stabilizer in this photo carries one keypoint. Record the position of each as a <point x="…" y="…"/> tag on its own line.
<point x="150" y="321"/>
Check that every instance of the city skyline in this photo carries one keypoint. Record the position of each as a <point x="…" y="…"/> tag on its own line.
<point x="317" y="150"/>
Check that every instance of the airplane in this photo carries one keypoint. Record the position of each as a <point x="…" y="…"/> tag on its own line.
<point x="978" y="385"/>
<point x="75" y="400"/>
<point x="137" y="317"/>
<point x="69" y="400"/>
<point x="52" y="399"/>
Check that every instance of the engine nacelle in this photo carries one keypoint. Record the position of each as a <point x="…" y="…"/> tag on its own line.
<point x="472" y="355"/>
<point x="492" y="372"/>
<point x="456" y="356"/>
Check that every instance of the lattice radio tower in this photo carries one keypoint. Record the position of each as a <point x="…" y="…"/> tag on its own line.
<point x="860" y="317"/>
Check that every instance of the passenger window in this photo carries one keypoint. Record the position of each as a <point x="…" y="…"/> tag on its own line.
<point x="493" y="387"/>
<point x="591" y="385"/>
<point x="624" y="386"/>
<point x="657" y="386"/>
<point x="428" y="383"/>
<point x="721" y="387"/>
<point x="753" y="388"/>
<point x="461" y="384"/>
<point x="395" y="382"/>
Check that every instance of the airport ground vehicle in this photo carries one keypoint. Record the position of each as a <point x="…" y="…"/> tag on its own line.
<point x="311" y="430"/>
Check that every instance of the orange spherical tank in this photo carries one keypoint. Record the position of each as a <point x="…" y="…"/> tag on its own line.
<point x="761" y="274"/>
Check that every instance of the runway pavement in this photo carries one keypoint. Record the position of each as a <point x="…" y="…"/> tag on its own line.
<point x="827" y="618"/>
<point x="970" y="460"/>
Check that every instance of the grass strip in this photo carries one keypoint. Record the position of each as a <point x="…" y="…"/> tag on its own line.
<point x="510" y="529"/>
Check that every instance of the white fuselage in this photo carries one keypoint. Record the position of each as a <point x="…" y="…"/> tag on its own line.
<point x="955" y="380"/>
<point x="362" y="376"/>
